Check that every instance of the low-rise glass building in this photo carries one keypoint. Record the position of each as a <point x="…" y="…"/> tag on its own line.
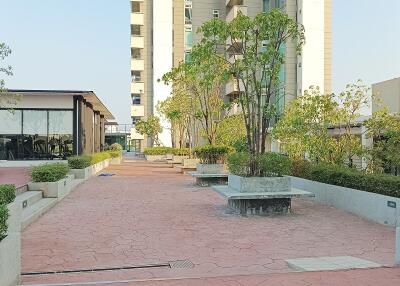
<point x="51" y="124"/>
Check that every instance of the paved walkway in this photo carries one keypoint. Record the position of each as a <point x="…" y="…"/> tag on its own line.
<point x="151" y="214"/>
<point x="19" y="176"/>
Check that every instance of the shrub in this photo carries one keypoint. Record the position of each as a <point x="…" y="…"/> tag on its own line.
<point x="301" y="168"/>
<point x="351" y="178"/>
<point x="49" y="172"/>
<point x="265" y="165"/>
<point x="79" y="162"/>
<point x="240" y="145"/>
<point x="99" y="157"/>
<point x="180" y="152"/>
<point x="3" y="221"/>
<point x="213" y="154"/>
<point x="158" y="151"/>
<point x="115" y="154"/>
<point x="115" y="147"/>
<point x="7" y="194"/>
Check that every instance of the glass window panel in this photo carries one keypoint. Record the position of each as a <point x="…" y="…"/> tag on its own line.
<point x="188" y="37"/>
<point x="11" y="122"/>
<point x="35" y="122"/>
<point x="60" y="134"/>
<point x="34" y="128"/>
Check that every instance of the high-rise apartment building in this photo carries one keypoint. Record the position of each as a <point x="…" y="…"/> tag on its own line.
<point x="163" y="33"/>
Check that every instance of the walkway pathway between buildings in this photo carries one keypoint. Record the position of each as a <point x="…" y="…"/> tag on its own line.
<point x="151" y="214"/>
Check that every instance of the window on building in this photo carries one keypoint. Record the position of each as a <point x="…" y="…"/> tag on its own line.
<point x="136" y="7"/>
<point x="188" y="55"/>
<point x="136" y="99"/>
<point x="188" y="13"/>
<point x="215" y="13"/>
<point x="135" y="119"/>
<point x="136" y="76"/>
<point x="136" y="30"/>
<point x="266" y="5"/>
<point x="188" y="37"/>
<point x="136" y="53"/>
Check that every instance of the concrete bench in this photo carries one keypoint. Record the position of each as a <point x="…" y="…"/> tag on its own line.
<point x="262" y="196"/>
<point x="205" y="180"/>
<point x="185" y="169"/>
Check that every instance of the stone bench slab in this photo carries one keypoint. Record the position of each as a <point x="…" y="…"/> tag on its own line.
<point x="199" y="175"/>
<point x="232" y="194"/>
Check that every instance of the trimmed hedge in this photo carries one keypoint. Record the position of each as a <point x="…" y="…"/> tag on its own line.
<point x="79" y="162"/>
<point x="3" y="221"/>
<point x="99" y="157"/>
<point x="7" y="194"/>
<point x="213" y="154"/>
<point x="158" y="151"/>
<point x="265" y="165"/>
<point x="383" y="184"/>
<point x="49" y="172"/>
<point x="115" y="147"/>
<point x="180" y="152"/>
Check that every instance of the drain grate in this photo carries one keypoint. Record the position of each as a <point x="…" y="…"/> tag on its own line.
<point x="181" y="264"/>
<point x="172" y="264"/>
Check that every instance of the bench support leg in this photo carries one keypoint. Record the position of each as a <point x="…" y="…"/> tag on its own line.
<point x="263" y="207"/>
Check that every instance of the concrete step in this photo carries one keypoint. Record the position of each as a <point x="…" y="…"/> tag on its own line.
<point x="33" y="212"/>
<point x="21" y="190"/>
<point x="28" y="198"/>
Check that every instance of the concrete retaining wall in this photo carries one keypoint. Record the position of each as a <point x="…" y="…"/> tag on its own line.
<point x="376" y="207"/>
<point x="10" y="248"/>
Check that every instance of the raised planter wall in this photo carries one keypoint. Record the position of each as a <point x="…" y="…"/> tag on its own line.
<point x="179" y="159"/>
<point x="259" y="184"/>
<point x="115" y="161"/>
<point x="190" y="163"/>
<point x="86" y="173"/>
<point x="211" y="169"/>
<point x="153" y="158"/>
<point x="52" y="189"/>
<point x="376" y="207"/>
<point x="10" y="248"/>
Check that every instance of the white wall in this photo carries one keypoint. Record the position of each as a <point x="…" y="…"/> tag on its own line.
<point x="313" y="57"/>
<point x="162" y="57"/>
<point x="44" y="101"/>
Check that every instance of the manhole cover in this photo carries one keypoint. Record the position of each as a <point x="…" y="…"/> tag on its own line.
<point x="181" y="264"/>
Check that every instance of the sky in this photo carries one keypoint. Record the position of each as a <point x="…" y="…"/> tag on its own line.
<point x="84" y="44"/>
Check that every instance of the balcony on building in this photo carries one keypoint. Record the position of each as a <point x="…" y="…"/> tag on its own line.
<point x="137" y="110"/>
<point x="234" y="12"/>
<point x="137" y="19"/>
<point x="233" y="88"/>
<point x="230" y="3"/>
<point x="137" y="64"/>
<point x="137" y="87"/>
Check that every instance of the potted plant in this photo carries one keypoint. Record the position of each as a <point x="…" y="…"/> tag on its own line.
<point x="212" y="159"/>
<point x="180" y="154"/>
<point x="115" y="151"/>
<point x="80" y="166"/>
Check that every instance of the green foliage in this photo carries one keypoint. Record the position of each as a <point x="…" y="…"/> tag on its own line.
<point x="79" y="162"/>
<point x="115" y="147"/>
<point x="5" y="51"/>
<point x="7" y="194"/>
<point x="256" y="67"/>
<point x="151" y="127"/>
<point x="352" y="178"/>
<point x="3" y="221"/>
<point x="231" y="130"/>
<point x="304" y="127"/>
<point x="180" y="152"/>
<point x="240" y="145"/>
<point x="49" y="172"/>
<point x="266" y="165"/>
<point x="115" y="154"/>
<point x="213" y="154"/>
<point x="99" y="157"/>
<point x="301" y="168"/>
<point x="158" y="151"/>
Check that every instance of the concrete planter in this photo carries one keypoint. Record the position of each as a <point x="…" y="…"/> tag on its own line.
<point x="211" y="169"/>
<point x="82" y="174"/>
<point x="50" y="189"/>
<point x="100" y="166"/>
<point x="190" y="163"/>
<point x="116" y="161"/>
<point x="259" y="184"/>
<point x="153" y="158"/>
<point x="375" y="207"/>
<point x="10" y="248"/>
<point x="179" y="159"/>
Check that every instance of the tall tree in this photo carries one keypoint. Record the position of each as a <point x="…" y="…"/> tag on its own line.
<point x="5" y="51"/>
<point x="150" y="127"/>
<point x="252" y="50"/>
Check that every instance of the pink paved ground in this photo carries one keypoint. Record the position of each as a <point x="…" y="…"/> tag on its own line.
<point x="19" y="176"/>
<point x="150" y="213"/>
